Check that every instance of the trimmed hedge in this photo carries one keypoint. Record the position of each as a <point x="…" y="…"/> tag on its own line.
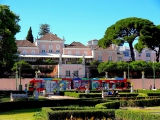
<point x="93" y="95"/>
<point x="153" y="94"/>
<point x="108" y="105"/>
<point x="136" y="115"/>
<point x="140" y="103"/>
<point x="147" y="91"/>
<point x="47" y="103"/>
<point x="90" y="113"/>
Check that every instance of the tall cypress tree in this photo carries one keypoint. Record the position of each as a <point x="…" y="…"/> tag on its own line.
<point x="29" y="35"/>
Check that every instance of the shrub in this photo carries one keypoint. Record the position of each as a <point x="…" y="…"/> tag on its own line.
<point x="135" y="115"/>
<point x="108" y="105"/>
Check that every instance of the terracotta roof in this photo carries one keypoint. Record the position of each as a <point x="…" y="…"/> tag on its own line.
<point x="76" y="45"/>
<point x="100" y="48"/>
<point x="24" y="43"/>
<point x="50" y="36"/>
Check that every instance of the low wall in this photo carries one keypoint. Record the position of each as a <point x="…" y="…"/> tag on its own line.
<point x="10" y="83"/>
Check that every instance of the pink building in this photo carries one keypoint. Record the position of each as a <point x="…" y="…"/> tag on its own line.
<point x="50" y="46"/>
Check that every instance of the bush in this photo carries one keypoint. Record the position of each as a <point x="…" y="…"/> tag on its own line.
<point x="108" y="105"/>
<point x="136" y="115"/>
<point x="140" y="103"/>
<point x="89" y="113"/>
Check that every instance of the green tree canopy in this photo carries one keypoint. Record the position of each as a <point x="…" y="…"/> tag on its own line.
<point x="107" y="66"/>
<point x="8" y="29"/>
<point x="21" y="63"/>
<point x="43" y="29"/>
<point x="149" y="38"/>
<point x="122" y="66"/>
<point x="29" y="35"/>
<point x="124" y="30"/>
<point x="139" y="65"/>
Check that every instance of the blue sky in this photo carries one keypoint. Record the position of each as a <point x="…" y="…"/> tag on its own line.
<point x="79" y="20"/>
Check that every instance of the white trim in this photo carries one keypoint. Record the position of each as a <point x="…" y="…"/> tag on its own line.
<point x="55" y="56"/>
<point x="49" y="41"/>
<point x="28" y="47"/>
<point x="78" y="48"/>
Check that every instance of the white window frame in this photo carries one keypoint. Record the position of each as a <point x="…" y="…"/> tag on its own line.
<point x="148" y="54"/>
<point x="33" y="52"/>
<point x="76" y="73"/>
<point x="68" y="73"/>
<point x="69" y="52"/>
<point x="24" y="52"/>
<point x="77" y="52"/>
<point x="100" y="58"/>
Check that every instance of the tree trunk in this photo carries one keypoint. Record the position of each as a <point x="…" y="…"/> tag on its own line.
<point x="131" y="51"/>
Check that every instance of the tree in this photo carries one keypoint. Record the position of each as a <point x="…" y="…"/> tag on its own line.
<point x="21" y="63"/>
<point x="29" y="35"/>
<point x="124" y="30"/>
<point x="49" y="61"/>
<point x="44" y="28"/>
<point x="107" y="66"/>
<point x="150" y="38"/>
<point x="8" y="29"/>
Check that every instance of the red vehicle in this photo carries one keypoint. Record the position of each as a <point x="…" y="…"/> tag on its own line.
<point x="36" y="84"/>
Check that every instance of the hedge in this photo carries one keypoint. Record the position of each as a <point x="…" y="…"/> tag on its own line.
<point x="90" y="113"/>
<point x="140" y="103"/>
<point x="47" y="103"/>
<point x="108" y="105"/>
<point x="147" y="91"/>
<point x="93" y="95"/>
<point x="136" y="115"/>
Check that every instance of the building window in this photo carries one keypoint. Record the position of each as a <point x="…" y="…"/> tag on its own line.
<point x="24" y="51"/>
<point x="85" y="52"/>
<point x="110" y="58"/>
<point x="32" y="52"/>
<point x="57" y="51"/>
<point x="69" y="53"/>
<point x="43" y="50"/>
<point x="148" y="54"/>
<point x="50" y="46"/>
<point x="68" y="73"/>
<point x="126" y="54"/>
<point x="43" y="46"/>
<point x="50" y="51"/>
<point x="139" y="55"/>
<point x="57" y="47"/>
<point x="75" y="73"/>
<point x="77" y="52"/>
<point x="120" y="59"/>
<point x="100" y="53"/>
<point x="100" y="58"/>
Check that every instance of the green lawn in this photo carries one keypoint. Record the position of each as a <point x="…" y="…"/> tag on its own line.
<point x="27" y="114"/>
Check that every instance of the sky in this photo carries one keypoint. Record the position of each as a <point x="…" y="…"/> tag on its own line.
<point x="79" y="20"/>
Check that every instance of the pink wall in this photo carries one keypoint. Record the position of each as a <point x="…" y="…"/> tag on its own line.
<point x="71" y="68"/>
<point x="29" y="51"/>
<point x="80" y="50"/>
<point x="54" y="46"/>
<point x="10" y="84"/>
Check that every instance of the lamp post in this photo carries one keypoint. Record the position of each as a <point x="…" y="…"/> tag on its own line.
<point x="20" y="85"/>
<point x="154" y="74"/>
<point x="16" y="79"/>
<point x="143" y="80"/>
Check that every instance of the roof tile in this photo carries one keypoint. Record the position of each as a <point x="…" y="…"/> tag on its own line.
<point x="24" y="43"/>
<point x="76" y="45"/>
<point x="50" y="36"/>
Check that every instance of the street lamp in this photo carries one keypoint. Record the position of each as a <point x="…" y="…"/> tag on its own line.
<point x="154" y="74"/>
<point x="16" y="78"/>
<point x="20" y="85"/>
